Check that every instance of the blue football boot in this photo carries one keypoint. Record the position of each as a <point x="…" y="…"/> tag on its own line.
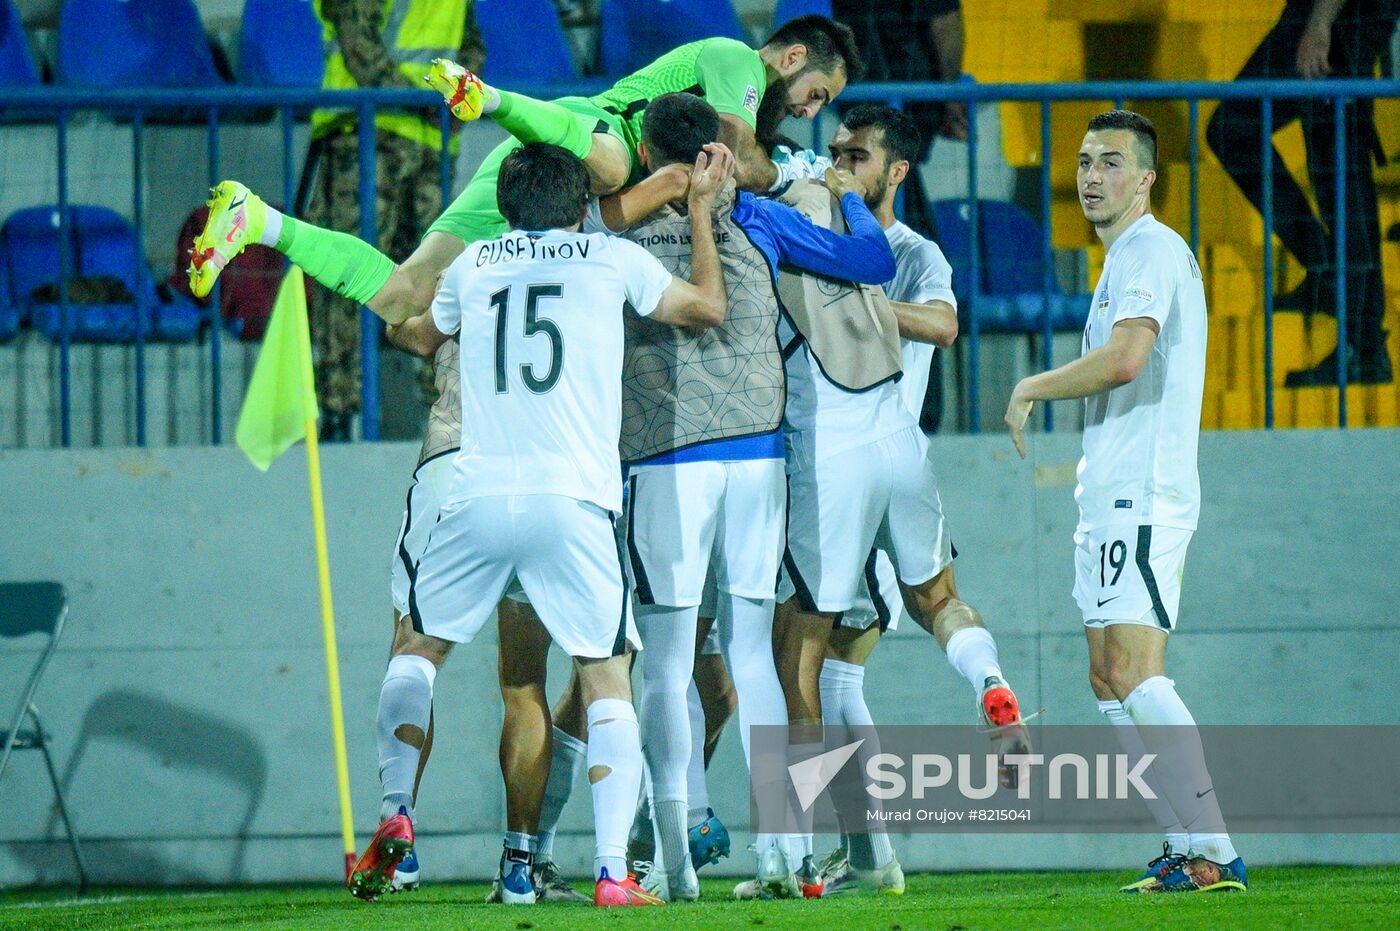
<point x="406" y="874"/>
<point x="1157" y="869"/>
<point x="709" y="841"/>
<point x="514" y="883"/>
<point x="1198" y="874"/>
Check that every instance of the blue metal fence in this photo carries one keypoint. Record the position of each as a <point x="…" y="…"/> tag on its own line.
<point x="138" y="105"/>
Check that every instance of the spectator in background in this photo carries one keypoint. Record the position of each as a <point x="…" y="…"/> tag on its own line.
<point x="915" y="40"/>
<point x="1315" y="39"/>
<point x="371" y="43"/>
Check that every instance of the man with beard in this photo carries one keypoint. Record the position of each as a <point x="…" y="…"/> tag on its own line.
<point x="804" y="66"/>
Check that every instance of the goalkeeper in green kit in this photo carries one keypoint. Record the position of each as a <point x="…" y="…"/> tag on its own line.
<point x="800" y="69"/>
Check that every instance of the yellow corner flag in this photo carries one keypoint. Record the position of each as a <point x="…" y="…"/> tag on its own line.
<point x="281" y="398"/>
<point x="279" y="409"/>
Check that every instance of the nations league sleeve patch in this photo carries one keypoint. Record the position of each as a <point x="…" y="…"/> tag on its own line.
<point x="751" y="100"/>
<point x="1141" y="294"/>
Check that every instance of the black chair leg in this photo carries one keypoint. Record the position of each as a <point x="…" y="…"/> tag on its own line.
<point x="63" y="812"/>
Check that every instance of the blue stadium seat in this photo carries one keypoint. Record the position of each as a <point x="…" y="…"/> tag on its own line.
<point x="279" y="44"/>
<point x="524" y="42"/>
<point x="9" y="311"/>
<point x="16" y="64"/>
<point x="134" y="43"/>
<point x="101" y="243"/>
<point x="634" y="33"/>
<point x="1011" y="297"/>
<point x="788" y="10"/>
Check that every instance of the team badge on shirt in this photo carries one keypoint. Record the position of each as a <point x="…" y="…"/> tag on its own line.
<point x="751" y="99"/>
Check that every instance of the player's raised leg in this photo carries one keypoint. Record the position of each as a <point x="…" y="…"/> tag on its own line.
<point x="530" y="120"/>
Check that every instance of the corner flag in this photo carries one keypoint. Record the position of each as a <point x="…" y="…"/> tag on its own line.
<point x="281" y="398"/>
<point x="279" y="409"/>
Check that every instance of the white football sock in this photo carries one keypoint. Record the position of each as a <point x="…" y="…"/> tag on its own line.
<point x="800" y="843"/>
<point x="1131" y="742"/>
<point x="843" y="704"/>
<point x="519" y="842"/>
<point x="973" y="653"/>
<point x="696" y="790"/>
<point x="405" y="700"/>
<point x="843" y="694"/>
<point x="615" y="771"/>
<point x="272" y="229"/>
<point x="668" y="664"/>
<point x="1168" y="730"/>
<point x="745" y="628"/>
<point x="566" y="760"/>
<point x="746" y="642"/>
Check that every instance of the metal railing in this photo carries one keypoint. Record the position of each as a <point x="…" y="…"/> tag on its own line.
<point x="138" y="106"/>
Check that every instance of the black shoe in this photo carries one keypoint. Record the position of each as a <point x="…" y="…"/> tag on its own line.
<point x="1374" y="370"/>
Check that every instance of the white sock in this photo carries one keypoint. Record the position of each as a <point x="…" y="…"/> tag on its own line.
<point x="745" y="628"/>
<point x="973" y="653"/>
<point x="566" y="760"/>
<point x="668" y="665"/>
<point x="490" y="97"/>
<point x="1168" y="730"/>
<point x="1131" y="742"/>
<point x="843" y="694"/>
<point x="615" y="771"/>
<point x="518" y="842"/>
<point x="272" y="229"/>
<point x="668" y="820"/>
<point x="746" y="642"/>
<point x="843" y="704"/>
<point x="405" y="699"/>
<point x="696" y="790"/>
<point x="800" y="843"/>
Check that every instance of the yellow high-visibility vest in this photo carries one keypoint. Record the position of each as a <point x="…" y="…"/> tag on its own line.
<point x="415" y="32"/>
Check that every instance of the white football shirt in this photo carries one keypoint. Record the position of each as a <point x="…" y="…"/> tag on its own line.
<point x="1140" y="439"/>
<point x="921" y="275"/>
<point x="541" y="357"/>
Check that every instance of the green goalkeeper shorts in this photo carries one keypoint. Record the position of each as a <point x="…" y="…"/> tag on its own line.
<point x="474" y="215"/>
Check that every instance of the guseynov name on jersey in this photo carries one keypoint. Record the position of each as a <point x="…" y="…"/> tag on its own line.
<point x="508" y="250"/>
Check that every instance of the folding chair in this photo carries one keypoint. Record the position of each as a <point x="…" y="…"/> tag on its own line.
<point x="26" y="608"/>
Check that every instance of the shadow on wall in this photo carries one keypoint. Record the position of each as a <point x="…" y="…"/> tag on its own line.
<point x="176" y="738"/>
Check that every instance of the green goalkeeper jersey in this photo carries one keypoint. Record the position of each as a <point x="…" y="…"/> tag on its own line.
<point x="725" y="72"/>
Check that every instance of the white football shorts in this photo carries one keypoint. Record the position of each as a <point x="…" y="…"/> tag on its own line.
<point x="690" y="519"/>
<point x="431" y="481"/>
<point x="882" y="494"/>
<point x="564" y="552"/>
<point x="1130" y="574"/>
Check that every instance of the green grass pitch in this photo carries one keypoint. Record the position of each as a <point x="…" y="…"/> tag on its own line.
<point x="1281" y="897"/>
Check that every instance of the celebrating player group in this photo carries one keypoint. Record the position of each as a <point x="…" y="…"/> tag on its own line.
<point x="677" y="416"/>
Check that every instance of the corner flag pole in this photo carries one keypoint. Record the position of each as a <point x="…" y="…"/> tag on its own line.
<point x="323" y="574"/>
<point x="279" y="409"/>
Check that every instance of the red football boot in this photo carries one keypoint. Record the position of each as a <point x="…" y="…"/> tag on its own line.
<point x="609" y="892"/>
<point x="1001" y="715"/>
<point x="373" y="873"/>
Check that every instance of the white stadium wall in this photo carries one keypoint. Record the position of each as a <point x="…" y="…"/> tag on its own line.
<point x="188" y="700"/>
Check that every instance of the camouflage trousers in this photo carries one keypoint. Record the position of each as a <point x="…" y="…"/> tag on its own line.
<point x="408" y="198"/>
